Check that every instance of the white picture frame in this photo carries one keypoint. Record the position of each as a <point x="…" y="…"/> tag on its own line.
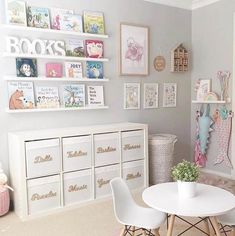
<point x="134" y="50"/>
<point x="131" y="96"/>
<point x="151" y="95"/>
<point x="169" y="95"/>
<point x="204" y="87"/>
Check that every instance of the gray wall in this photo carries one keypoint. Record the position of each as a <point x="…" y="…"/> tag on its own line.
<point x="212" y="42"/>
<point x="168" y="26"/>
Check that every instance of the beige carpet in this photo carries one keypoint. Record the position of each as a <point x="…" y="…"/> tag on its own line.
<point x="96" y="219"/>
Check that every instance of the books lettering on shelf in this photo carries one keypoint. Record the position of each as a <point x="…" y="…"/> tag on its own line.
<point x="16" y="12"/>
<point x="73" y="70"/>
<point x="71" y="22"/>
<point x="75" y="48"/>
<point x="94" y="70"/>
<point x="54" y="70"/>
<point x="95" y="95"/>
<point x="57" y="17"/>
<point x="93" y="22"/>
<point x="38" y="17"/>
<point x="26" y="67"/>
<point x="21" y="95"/>
<point x="94" y="48"/>
<point x="47" y="97"/>
<point x="74" y="95"/>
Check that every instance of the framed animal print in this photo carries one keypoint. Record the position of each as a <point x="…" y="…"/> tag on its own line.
<point x="131" y="96"/>
<point x="134" y="50"/>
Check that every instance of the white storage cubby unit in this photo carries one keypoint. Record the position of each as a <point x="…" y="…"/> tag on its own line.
<point x="52" y="170"/>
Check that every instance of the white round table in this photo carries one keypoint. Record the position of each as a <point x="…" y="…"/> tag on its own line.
<point x="209" y="202"/>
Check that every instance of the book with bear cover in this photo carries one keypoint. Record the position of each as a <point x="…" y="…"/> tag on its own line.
<point x="72" y="22"/>
<point x="95" y="95"/>
<point x="94" y="70"/>
<point x="93" y="22"/>
<point x="47" y="97"/>
<point x="73" y="70"/>
<point x="16" y="12"/>
<point x="74" y="95"/>
<point x="38" y="17"/>
<point x="21" y="95"/>
<point x="57" y="17"/>
<point x="54" y="70"/>
<point x="75" y="48"/>
<point x="94" y="48"/>
<point x="26" y="67"/>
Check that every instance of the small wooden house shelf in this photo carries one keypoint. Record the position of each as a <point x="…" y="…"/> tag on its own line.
<point x="179" y="59"/>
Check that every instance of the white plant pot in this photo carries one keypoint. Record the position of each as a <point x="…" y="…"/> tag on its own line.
<point x="186" y="189"/>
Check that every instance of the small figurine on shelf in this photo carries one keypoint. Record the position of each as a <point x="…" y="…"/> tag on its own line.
<point x="223" y="77"/>
<point x="4" y="193"/>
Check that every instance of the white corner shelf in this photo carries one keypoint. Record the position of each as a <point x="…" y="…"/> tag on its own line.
<point x="56" y="109"/>
<point x="62" y="79"/>
<point x="209" y="102"/>
<point x="13" y="28"/>
<point x="52" y="57"/>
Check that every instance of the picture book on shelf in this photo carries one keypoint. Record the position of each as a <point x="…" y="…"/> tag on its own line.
<point x="54" y="70"/>
<point x="26" y="67"/>
<point x="38" y="17"/>
<point x="47" y="97"/>
<point x="16" y="12"/>
<point x="74" y="95"/>
<point x="75" y="48"/>
<point x="21" y="95"/>
<point x="57" y="17"/>
<point x="95" y="95"/>
<point x="93" y="22"/>
<point x="94" y="48"/>
<point x="72" y="22"/>
<point x="73" y="70"/>
<point x="94" y="70"/>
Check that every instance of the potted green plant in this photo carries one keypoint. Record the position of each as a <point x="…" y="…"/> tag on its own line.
<point x="186" y="174"/>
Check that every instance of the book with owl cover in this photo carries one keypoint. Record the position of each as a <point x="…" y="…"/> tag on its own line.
<point x="75" y="48"/>
<point x="74" y="95"/>
<point x="16" y="12"/>
<point x="71" y="22"/>
<point x="94" y="48"/>
<point x="21" y="95"/>
<point x="73" y="70"/>
<point x="57" y="17"/>
<point x="94" y="70"/>
<point x="47" y="97"/>
<point x="26" y="67"/>
<point x="38" y="17"/>
<point x="93" y="22"/>
<point x="95" y="95"/>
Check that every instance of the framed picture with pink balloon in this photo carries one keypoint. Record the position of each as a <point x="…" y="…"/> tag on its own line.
<point x="134" y="50"/>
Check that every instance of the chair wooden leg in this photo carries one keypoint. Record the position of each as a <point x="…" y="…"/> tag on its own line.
<point x="133" y="231"/>
<point x="215" y="225"/>
<point x="143" y="232"/>
<point x="156" y="232"/>
<point x="233" y="231"/>
<point x="123" y="231"/>
<point x="207" y="228"/>
<point x="171" y="225"/>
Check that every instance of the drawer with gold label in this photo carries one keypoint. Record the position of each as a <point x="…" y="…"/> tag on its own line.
<point x="133" y="174"/>
<point x="103" y="175"/>
<point x="77" y="187"/>
<point x="132" y="145"/>
<point x="106" y="149"/>
<point x="76" y="153"/>
<point x="42" y="157"/>
<point x="43" y="194"/>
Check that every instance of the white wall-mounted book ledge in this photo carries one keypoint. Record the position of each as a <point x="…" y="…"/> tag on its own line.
<point x="209" y="102"/>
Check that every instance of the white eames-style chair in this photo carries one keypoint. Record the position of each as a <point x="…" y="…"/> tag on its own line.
<point x="132" y="216"/>
<point x="228" y="220"/>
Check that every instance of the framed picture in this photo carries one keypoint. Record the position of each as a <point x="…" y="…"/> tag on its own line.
<point x="134" y="50"/>
<point x="131" y="96"/>
<point x="150" y="95"/>
<point x="203" y="87"/>
<point x="169" y="94"/>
